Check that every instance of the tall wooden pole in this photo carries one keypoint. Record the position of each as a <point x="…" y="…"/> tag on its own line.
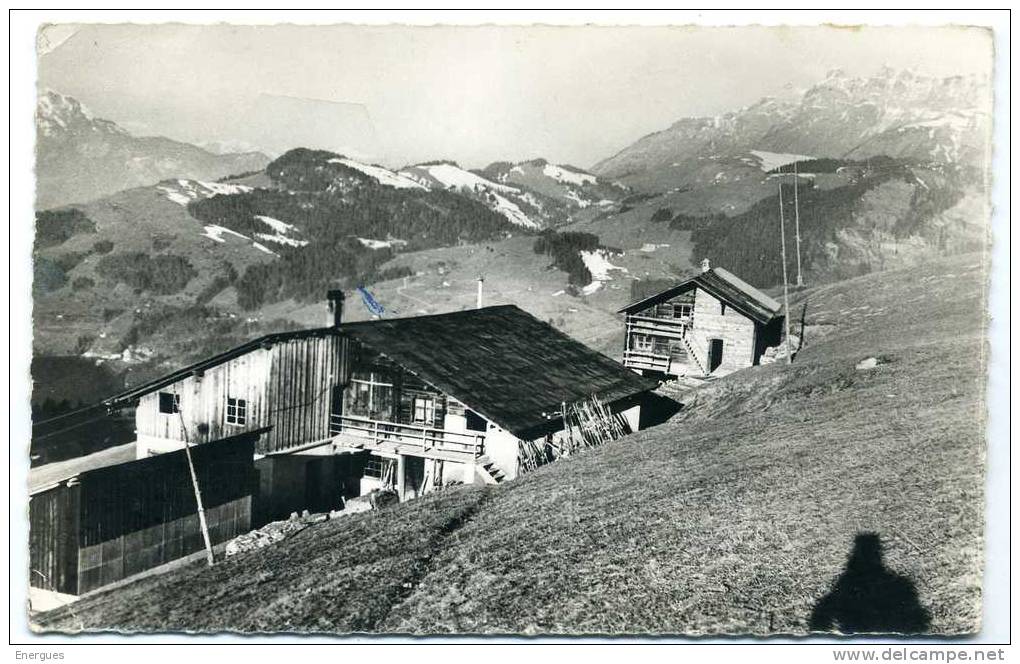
<point x="796" y="221"/>
<point x="198" y="494"/>
<point x="786" y="282"/>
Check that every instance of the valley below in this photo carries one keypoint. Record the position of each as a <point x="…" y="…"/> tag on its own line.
<point x="734" y="517"/>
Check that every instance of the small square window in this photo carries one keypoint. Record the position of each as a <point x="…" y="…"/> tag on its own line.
<point x="681" y="310"/>
<point x="380" y="468"/>
<point x="424" y="410"/>
<point x="169" y="403"/>
<point x="237" y="411"/>
<point x="643" y="343"/>
<point x="474" y="421"/>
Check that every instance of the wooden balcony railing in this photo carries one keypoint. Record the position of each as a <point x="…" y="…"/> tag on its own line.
<point x="639" y="359"/>
<point x="425" y="439"/>
<point x="673" y="328"/>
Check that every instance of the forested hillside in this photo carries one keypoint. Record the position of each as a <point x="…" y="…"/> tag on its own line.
<point x="880" y="212"/>
<point x="335" y="225"/>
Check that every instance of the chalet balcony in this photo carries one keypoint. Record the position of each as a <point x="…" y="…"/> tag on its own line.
<point x="639" y="359"/>
<point x="674" y="328"/>
<point x="412" y="439"/>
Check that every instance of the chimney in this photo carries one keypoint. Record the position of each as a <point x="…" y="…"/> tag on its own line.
<point x="705" y="267"/>
<point x="478" y="303"/>
<point x="335" y="300"/>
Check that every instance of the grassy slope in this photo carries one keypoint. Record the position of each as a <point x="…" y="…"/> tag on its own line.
<point x="734" y="517"/>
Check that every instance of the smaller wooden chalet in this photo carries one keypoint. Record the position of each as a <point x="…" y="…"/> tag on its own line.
<point x="408" y="403"/>
<point x="102" y="518"/>
<point x="708" y="325"/>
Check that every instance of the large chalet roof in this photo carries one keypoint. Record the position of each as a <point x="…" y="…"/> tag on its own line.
<point x="726" y="286"/>
<point x="501" y="362"/>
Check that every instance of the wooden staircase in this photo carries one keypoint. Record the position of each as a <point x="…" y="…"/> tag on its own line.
<point x="488" y="471"/>
<point x="694" y="356"/>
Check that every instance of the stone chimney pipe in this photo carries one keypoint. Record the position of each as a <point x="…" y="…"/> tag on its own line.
<point x="705" y="266"/>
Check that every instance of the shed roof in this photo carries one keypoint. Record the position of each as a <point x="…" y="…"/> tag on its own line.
<point x="501" y="362"/>
<point x="724" y="285"/>
<point x="48" y="475"/>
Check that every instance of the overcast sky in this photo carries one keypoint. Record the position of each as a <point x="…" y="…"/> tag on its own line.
<point x="397" y="95"/>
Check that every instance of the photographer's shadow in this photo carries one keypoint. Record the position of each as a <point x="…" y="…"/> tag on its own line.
<point x="869" y="598"/>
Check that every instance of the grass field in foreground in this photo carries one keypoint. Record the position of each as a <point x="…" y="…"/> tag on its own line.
<point x="737" y="516"/>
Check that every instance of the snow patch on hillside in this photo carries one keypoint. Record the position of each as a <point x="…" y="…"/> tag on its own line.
<point x="264" y="248"/>
<point x="598" y="264"/>
<point x="183" y="192"/>
<point x="175" y="196"/>
<point x="454" y="177"/>
<point x="494" y="195"/>
<point x="381" y="175"/>
<point x="771" y="160"/>
<point x="216" y="233"/>
<point x="566" y="175"/>
<point x="513" y="213"/>
<point x="280" y="227"/>
<point x="216" y="188"/>
<point x="282" y="239"/>
<point x="576" y="199"/>
<point x="381" y="244"/>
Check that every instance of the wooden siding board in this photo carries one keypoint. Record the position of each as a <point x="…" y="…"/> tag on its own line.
<point x="301" y="377"/>
<point x="53" y="539"/>
<point x="120" y="519"/>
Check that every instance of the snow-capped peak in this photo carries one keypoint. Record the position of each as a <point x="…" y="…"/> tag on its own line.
<point x="57" y="113"/>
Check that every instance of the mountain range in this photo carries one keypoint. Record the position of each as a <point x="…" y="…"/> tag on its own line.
<point x="894" y="113"/>
<point x="889" y="172"/>
<point x="80" y="158"/>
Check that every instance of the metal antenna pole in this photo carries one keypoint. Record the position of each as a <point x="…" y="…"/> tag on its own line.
<point x="198" y="494"/>
<point x="796" y="221"/>
<point x="786" y="283"/>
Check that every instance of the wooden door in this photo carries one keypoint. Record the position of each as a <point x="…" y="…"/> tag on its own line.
<point x="414" y="476"/>
<point x="715" y="354"/>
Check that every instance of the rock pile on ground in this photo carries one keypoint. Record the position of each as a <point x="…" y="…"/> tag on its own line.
<point x="276" y="531"/>
<point x="776" y="353"/>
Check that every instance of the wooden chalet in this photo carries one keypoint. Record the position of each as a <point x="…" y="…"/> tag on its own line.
<point x="408" y="403"/>
<point x="708" y="325"/>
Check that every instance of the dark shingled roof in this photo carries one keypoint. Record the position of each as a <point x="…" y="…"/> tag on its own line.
<point x="721" y="283"/>
<point x="501" y="362"/>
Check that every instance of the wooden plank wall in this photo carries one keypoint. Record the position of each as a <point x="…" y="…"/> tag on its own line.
<point x="287" y="386"/>
<point x="53" y="539"/>
<point x="137" y="515"/>
<point x="203" y="401"/>
<point x="301" y="376"/>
